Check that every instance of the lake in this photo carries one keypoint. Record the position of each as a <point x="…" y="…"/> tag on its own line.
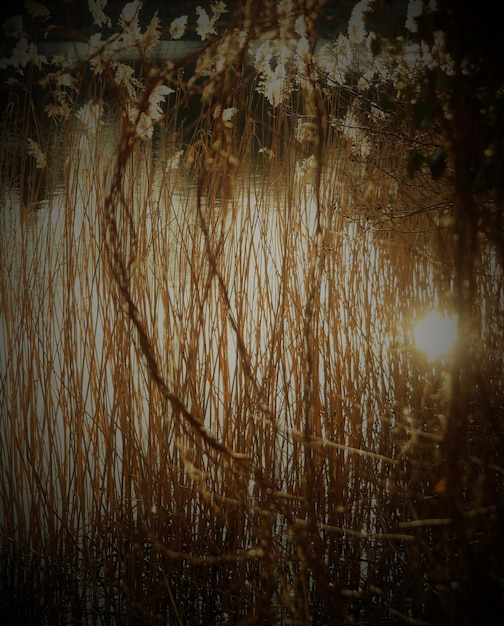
<point x="207" y="358"/>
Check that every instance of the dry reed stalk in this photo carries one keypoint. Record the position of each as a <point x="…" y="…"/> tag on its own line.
<point x="259" y="311"/>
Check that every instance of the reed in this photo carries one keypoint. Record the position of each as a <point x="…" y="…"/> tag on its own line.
<point x="211" y="410"/>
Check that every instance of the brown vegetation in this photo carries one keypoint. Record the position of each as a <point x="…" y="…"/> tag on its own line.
<point x="211" y="407"/>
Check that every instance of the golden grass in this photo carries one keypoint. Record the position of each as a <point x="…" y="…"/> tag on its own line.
<point x="210" y="405"/>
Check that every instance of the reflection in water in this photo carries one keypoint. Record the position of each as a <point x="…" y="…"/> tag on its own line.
<point x="286" y="345"/>
<point x="68" y="334"/>
<point x="71" y="320"/>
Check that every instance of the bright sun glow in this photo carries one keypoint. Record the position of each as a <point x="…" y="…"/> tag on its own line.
<point x="435" y="334"/>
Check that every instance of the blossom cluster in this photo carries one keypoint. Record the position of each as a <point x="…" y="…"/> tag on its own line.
<point x="283" y="51"/>
<point x="102" y="53"/>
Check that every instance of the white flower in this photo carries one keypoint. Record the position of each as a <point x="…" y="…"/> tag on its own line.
<point x="100" y="52"/>
<point x="229" y="113"/>
<point x="178" y="26"/>
<point x="173" y="162"/>
<point x="300" y="26"/>
<point x="124" y="76"/>
<point x="128" y="21"/>
<point x="356" y="26"/>
<point x="285" y="12"/>
<point x="130" y="11"/>
<point x="152" y="33"/>
<point x="35" y="150"/>
<point x="96" y="9"/>
<point x="226" y="115"/>
<point x="65" y="79"/>
<point x="263" y="56"/>
<point x="205" y="24"/>
<point x="414" y="10"/>
<point x="90" y="117"/>
<point x="304" y="168"/>
<point x="20" y="56"/>
<point x="218" y="8"/>
<point x="65" y="62"/>
<point x="132" y="35"/>
<point x="300" y="131"/>
<point x="144" y="123"/>
<point x="25" y="53"/>
<point x="303" y="59"/>
<point x="157" y="98"/>
<point x="274" y="84"/>
<point x="305" y="131"/>
<point x="284" y="7"/>
<point x="303" y="49"/>
<point x="37" y="10"/>
<point x="60" y="109"/>
<point x="221" y="56"/>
